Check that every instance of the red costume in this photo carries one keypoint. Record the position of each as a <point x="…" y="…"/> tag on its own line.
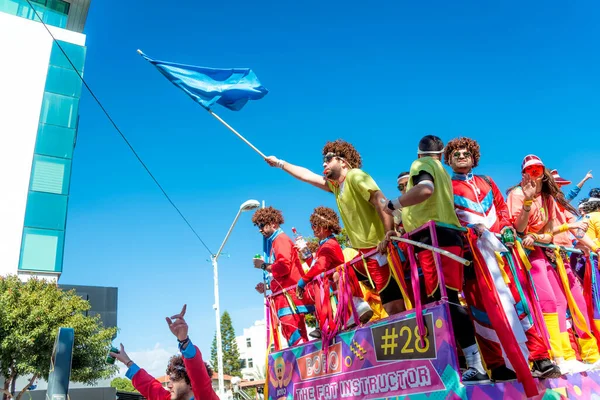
<point x="201" y="383"/>
<point x="329" y="256"/>
<point x="478" y="200"/>
<point x="286" y="270"/>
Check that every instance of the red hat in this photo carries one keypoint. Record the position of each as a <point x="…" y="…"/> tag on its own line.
<point x="558" y="179"/>
<point x="531" y="160"/>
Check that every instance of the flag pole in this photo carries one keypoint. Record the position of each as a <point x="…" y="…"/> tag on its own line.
<point x="236" y="132"/>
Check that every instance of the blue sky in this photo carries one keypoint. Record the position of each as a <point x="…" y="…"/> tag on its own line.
<point x="519" y="78"/>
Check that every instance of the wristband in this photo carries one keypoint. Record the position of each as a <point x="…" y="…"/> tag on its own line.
<point x="280" y="163"/>
<point x="527" y="203"/>
<point x="129" y="363"/>
<point x="535" y="236"/>
<point x="182" y="342"/>
<point x="564" y="227"/>
<point x="390" y="205"/>
<point x="263" y="267"/>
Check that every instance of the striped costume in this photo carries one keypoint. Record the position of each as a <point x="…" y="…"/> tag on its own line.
<point x="477" y="200"/>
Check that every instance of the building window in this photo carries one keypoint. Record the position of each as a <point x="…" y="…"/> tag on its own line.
<point x="63" y="81"/>
<point x="75" y="52"/>
<point x="248" y="342"/>
<point x="55" y="141"/>
<point x="41" y="250"/>
<point x="52" y="12"/>
<point x="46" y="211"/>
<point x="59" y="110"/>
<point x="250" y="363"/>
<point x="50" y="175"/>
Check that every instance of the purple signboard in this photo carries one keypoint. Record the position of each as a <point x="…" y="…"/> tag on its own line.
<point x="379" y="361"/>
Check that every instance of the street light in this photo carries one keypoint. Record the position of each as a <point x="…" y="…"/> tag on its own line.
<point x="246" y="206"/>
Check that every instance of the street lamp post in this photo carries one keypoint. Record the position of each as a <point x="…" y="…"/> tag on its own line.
<point x="246" y="206"/>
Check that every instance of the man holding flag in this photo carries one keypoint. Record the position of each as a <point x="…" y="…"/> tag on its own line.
<point x="359" y="202"/>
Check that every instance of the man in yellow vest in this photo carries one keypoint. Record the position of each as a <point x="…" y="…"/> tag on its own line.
<point x="429" y="197"/>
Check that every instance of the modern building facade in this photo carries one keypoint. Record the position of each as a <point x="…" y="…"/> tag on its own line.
<point x="252" y="346"/>
<point x="39" y="116"/>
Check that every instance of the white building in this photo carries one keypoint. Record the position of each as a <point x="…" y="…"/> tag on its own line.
<point x="39" y="108"/>
<point x="252" y="346"/>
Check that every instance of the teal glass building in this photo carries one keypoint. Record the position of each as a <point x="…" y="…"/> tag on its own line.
<point x="40" y="130"/>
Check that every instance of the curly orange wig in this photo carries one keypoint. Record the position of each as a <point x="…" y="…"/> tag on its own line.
<point x="268" y="215"/>
<point x="325" y="217"/>
<point x="344" y="150"/>
<point x="462" y="143"/>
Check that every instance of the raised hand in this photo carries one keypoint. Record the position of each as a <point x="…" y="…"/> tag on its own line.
<point x="589" y="175"/>
<point x="528" y="186"/>
<point x="122" y="356"/>
<point x="177" y="325"/>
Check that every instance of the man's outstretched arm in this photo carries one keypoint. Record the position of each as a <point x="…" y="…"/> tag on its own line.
<point x="300" y="173"/>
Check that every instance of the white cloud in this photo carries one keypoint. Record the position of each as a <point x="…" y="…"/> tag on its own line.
<point x="152" y="360"/>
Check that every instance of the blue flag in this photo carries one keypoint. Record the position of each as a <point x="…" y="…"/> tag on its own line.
<point x="231" y="88"/>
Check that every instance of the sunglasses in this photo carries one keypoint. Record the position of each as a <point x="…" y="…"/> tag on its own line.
<point x="328" y="157"/>
<point x="401" y="186"/>
<point x="260" y="226"/>
<point x="534" y="172"/>
<point x="459" y="154"/>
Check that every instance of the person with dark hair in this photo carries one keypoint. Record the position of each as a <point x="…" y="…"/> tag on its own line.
<point x="582" y="206"/>
<point x="403" y="181"/>
<point x="479" y="204"/>
<point x="359" y="201"/>
<point x="533" y="207"/>
<point x="429" y="197"/>
<point x="190" y="378"/>
<point x="285" y="269"/>
<point x="325" y="225"/>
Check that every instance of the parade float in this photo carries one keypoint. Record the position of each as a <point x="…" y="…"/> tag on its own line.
<point x="411" y="355"/>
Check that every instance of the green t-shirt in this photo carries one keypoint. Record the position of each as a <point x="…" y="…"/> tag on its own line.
<point x="440" y="206"/>
<point x="362" y="223"/>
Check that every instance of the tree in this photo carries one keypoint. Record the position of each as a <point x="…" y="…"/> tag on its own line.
<point x="231" y="356"/>
<point x="30" y="315"/>
<point x="123" y="385"/>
